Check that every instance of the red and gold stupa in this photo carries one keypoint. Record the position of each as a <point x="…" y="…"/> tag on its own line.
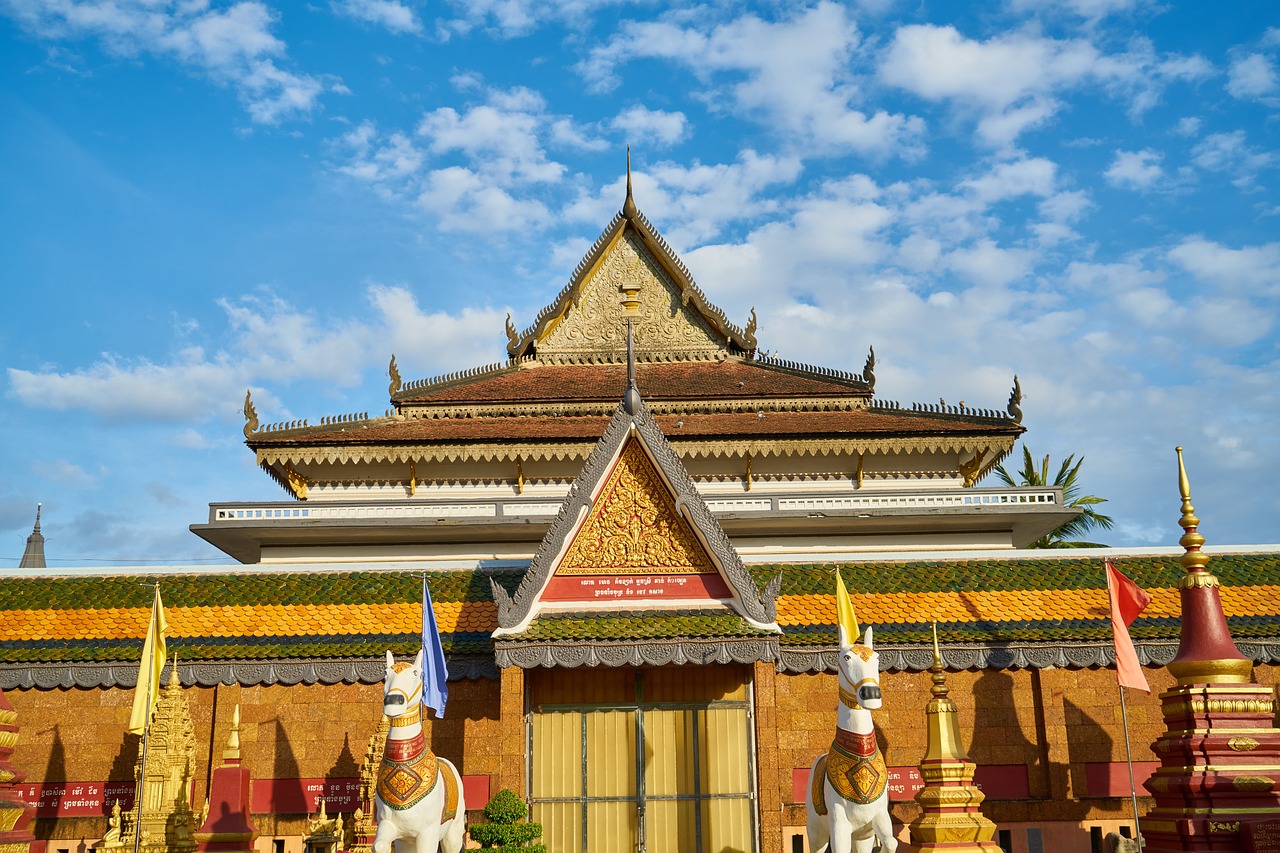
<point x="1219" y="779"/>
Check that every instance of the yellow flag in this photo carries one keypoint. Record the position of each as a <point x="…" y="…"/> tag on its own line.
<point x="147" y="692"/>
<point x="845" y="618"/>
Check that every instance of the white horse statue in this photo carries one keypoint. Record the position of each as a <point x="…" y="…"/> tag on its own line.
<point x="419" y="802"/>
<point x="847" y="804"/>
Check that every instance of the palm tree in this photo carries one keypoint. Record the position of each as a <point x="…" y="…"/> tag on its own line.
<point x="1067" y="478"/>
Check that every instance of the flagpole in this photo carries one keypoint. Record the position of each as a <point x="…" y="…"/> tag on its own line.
<point x="146" y="734"/>
<point x="1124" y="717"/>
<point x="1133" y="788"/>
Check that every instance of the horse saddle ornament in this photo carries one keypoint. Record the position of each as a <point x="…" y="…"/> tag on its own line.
<point x="855" y="768"/>
<point x="408" y="773"/>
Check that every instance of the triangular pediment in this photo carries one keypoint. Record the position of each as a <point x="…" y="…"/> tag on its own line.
<point x="675" y="320"/>
<point x="633" y="533"/>
<point x="633" y="526"/>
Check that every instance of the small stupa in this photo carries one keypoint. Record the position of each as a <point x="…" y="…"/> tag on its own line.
<point x="227" y="827"/>
<point x="363" y="826"/>
<point x="950" y="818"/>
<point x="1219" y="779"/>
<point x="166" y="819"/>
<point x="33" y="554"/>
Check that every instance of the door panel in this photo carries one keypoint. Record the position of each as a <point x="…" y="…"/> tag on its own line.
<point x="673" y="772"/>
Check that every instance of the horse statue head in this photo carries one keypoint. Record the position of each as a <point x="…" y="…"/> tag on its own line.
<point x="402" y="688"/>
<point x="859" y="673"/>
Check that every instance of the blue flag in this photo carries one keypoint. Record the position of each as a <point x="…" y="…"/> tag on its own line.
<point x="435" y="673"/>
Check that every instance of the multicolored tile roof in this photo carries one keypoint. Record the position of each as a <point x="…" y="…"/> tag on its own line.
<point x="266" y="615"/>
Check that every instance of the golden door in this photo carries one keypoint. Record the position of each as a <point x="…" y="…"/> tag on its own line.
<point x="670" y="770"/>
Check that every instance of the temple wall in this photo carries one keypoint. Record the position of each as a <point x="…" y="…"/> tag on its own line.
<point x="1048" y="728"/>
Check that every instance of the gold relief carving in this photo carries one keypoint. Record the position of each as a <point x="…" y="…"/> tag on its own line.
<point x="297" y="482"/>
<point x="634" y="528"/>
<point x="8" y="740"/>
<point x="1253" y="783"/>
<point x="8" y="718"/>
<point x="1224" y="826"/>
<point x="1198" y="705"/>
<point x="594" y="321"/>
<point x="1197" y="580"/>
<point x="1158" y="783"/>
<point x="1243" y="744"/>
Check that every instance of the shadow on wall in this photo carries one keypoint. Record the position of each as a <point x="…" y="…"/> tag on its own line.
<point x="290" y="797"/>
<point x="55" y="771"/>
<point x="1086" y="742"/>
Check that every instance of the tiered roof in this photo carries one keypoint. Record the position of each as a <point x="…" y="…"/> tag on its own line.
<point x="1028" y="610"/>
<point x="701" y="375"/>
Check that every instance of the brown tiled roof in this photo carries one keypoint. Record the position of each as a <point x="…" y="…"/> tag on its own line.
<point x="670" y="381"/>
<point x="675" y="426"/>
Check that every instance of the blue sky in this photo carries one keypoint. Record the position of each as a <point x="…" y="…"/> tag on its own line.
<point x="203" y="197"/>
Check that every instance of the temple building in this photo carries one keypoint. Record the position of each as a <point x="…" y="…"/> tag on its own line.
<point x="630" y="529"/>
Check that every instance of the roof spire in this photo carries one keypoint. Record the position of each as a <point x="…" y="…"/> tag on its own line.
<point x="1206" y="652"/>
<point x="33" y="555"/>
<point x="629" y="209"/>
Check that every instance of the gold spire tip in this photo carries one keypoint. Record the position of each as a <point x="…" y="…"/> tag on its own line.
<point x="629" y="204"/>
<point x="1194" y="560"/>
<point x="937" y="654"/>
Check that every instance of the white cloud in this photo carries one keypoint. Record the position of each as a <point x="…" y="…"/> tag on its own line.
<point x="233" y="46"/>
<point x="1252" y="77"/>
<point x="512" y="18"/>
<point x="1188" y="126"/>
<point x="1230" y="152"/>
<point x="1248" y="270"/>
<point x="396" y="17"/>
<point x="267" y="343"/>
<point x="1091" y="10"/>
<point x="792" y="75"/>
<point x="475" y="169"/>
<point x="1011" y="82"/>
<point x="1028" y="176"/>
<point x="1136" y="170"/>
<point x="659" y="128"/>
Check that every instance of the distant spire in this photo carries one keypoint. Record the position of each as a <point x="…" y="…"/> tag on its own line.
<point x="629" y="209"/>
<point x="33" y="556"/>
<point x="1206" y="652"/>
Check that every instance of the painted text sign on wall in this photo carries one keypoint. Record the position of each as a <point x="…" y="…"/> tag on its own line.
<point x="1262" y="837"/>
<point x="302" y="796"/>
<point x="606" y="588"/>
<point x="76" y="799"/>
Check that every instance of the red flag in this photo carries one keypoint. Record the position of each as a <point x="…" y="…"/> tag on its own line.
<point x="1127" y="601"/>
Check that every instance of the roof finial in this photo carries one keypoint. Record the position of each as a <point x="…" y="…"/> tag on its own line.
<point x="629" y="205"/>
<point x="36" y="529"/>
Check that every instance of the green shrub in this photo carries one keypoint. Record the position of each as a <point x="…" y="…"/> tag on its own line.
<point x="506" y="832"/>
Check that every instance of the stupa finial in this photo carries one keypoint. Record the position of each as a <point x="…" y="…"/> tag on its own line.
<point x="1194" y="560"/>
<point x="232" y="752"/>
<point x="939" y="689"/>
<point x="1206" y="652"/>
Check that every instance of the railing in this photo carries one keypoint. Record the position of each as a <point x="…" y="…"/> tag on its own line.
<point x="526" y="508"/>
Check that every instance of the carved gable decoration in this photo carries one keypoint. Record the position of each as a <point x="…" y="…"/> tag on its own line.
<point x="592" y="323"/>
<point x="634" y="527"/>
<point x="634" y="533"/>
